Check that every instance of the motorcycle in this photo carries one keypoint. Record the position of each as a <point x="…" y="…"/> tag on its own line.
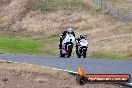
<point x="81" y="49"/>
<point x="67" y="45"/>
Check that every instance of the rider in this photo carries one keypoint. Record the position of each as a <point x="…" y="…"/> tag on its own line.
<point x="78" y="41"/>
<point x="67" y="31"/>
<point x="80" y="38"/>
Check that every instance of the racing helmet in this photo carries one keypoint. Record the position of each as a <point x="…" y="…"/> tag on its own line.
<point x="82" y="36"/>
<point x="69" y="30"/>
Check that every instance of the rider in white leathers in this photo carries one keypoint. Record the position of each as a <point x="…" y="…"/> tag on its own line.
<point x="63" y="35"/>
<point x="78" y="41"/>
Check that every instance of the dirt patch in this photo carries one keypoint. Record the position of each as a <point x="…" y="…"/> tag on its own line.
<point x="27" y="76"/>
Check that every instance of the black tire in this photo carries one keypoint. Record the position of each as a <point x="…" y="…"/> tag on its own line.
<point x="84" y="53"/>
<point x="79" y="56"/>
<point x="69" y="50"/>
<point x="62" y="55"/>
<point x="81" y="80"/>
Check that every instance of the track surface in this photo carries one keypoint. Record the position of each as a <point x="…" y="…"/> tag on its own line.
<point x="71" y="64"/>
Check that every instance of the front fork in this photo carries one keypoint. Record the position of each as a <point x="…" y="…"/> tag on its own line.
<point x="80" y="50"/>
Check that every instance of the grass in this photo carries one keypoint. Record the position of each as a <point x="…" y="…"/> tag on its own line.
<point x="19" y="45"/>
<point x="9" y="44"/>
<point x="26" y="68"/>
<point x="68" y="6"/>
<point x="124" y="5"/>
<point x="51" y="17"/>
<point x="48" y="46"/>
<point x="110" y="56"/>
<point x="54" y="5"/>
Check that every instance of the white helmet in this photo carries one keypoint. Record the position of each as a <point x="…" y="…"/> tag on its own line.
<point x="69" y="30"/>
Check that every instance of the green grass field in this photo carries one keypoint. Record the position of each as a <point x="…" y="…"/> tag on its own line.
<point x="28" y="46"/>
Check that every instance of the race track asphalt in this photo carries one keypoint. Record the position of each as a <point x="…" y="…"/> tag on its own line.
<point x="92" y="66"/>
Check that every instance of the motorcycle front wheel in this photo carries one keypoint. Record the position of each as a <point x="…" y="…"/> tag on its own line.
<point x="61" y="54"/>
<point x="69" y="50"/>
<point x="84" y="53"/>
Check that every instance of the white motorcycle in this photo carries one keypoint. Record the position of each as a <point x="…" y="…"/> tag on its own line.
<point x="67" y="45"/>
<point x="81" y="49"/>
